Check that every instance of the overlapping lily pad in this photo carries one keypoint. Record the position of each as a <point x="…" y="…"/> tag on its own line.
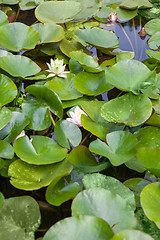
<point x="6" y="150"/>
<point x="68" y="228"/>
<point x="3" y="18"/>
<point x="116" y="212"/>
<point x="152" y="26"/>
<point x="120" y="147"/>
<point x="154" y="41"/>
<point x="50" y="11"/>
<point x="19" y="218"/>
<point x="129" y="109"/>
<point x="131" y="235"/>
<point x="153" y="54"/>
<point x="132" y="4"/>
<point x="17" y="36"/>
<point x="42" y="150"/>
<point x="30" y="177"/>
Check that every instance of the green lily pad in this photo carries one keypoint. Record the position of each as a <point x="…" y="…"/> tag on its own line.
<point x="109" y="183"/>
<point x="153" y="26"/>
<point x="131" y="235"/>
<point x="135" y="165"/>
<point x="67" y="131"/>
<point x="19" y="218"/>
<point x="8" y="90"/>
<point x="49" y="11"/>
<point x="38" y="113"/>
<point x="120" y="147"/>
<point x="153" y="54"/>
<point x="154" y="41"/>
<point x="5" y="117"/>
<point x="10" y="2"/>
<point x="154" y="120"/>
<point x="150" y="159"/>
<point x="150" y="201"/>
<point x="49" y="32"/>
<point x="98" y="37"/>
<point x="62" y="191"/>
<point x="129" y="109"/>
<point x="69" y="227"/>
<point x="92" y="83"/>
<point x="116" y="212"/>
<point x="125" y="14"/>
<point x="132" y="4"/>
<point x="123" y="55"/>
<point x="82" y="158"/>
<point x="42" y="150"/>
<point x="64" y="87"/>
<point x="17" y="36"/>
<point x="3" y="18"/>
<point x="19" y="66"/>
<point x="6" y="150"/>
<point x="30" y="177"/>
<point x="2" y="200"/>
<point x="47" y="96"/>
<point x="18" y="122"/>
<point x="123" y="76"/>
<point x="68" y="46"/>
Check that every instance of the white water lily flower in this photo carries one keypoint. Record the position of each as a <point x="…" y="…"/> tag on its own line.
<point x="56" y="68"/>
<point x="76" y="116"/>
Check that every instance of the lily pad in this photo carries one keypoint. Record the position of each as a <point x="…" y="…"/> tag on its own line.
<point x="154" y="41"/>
<point x="19" y="66"/>
<point x="68" y="46"/>
<point x="30" y="177"/>
<point x="116" y="212"/>
<point x="62" y="191"/>
<point x="120" y="147"/>
<point x="38" y="113"/>
<point x="150" y="159"/>
<point x="68" y="228"/>
<point x="123" y="76"/>
<point x="153" y="54"/>
<point x="64" y="87"/>
<point x="125" y="14"/>
<point x="98" y="37"/>
<point x="3" y="18"/>
<point x="42" y="150"/>
<point x="92" y="83"/>
<point x="5" y="117"/>
<point x="2" y="200"/>
<point x="132" y="4"/>
<point x="109" y="183"/>
<point x="150" y="201"/>
<point x="49" y="32"/>
<point x="129" y="109"/>
<point x="131" y="235"/>
<point x="8" y="90"/>
<point x="47" y="96"/>
<point x="19" y="218"/>
<point x="67" y="131"/>
<point x="49" y="11"/>
<point x="18" y="122"/>
<point x="6" y="150"/>
<point x="153" y="26"/>
<point x="9" y="1"/>
<point x="17" y="36"/>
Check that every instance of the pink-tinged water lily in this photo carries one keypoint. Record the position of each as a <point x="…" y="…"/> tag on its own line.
<point x="113" y="17"/>
<point x="76" y="116"/>
<point x="56" y="68"/>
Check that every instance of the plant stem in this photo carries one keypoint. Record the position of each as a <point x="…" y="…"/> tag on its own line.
<point x="52" y="120"/>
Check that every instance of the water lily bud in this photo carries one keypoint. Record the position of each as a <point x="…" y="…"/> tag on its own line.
<point x="142" y="32"/>
<point x="113" y="17"/>
<point x="76" y="116"/>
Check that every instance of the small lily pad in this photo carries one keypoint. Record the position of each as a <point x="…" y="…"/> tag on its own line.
<point x="3" y="18"/>
<point x="5" y="117"/>
<point x="131" y="235"/>
<point x="154" y="41"/>
<point x="153" y="26"/>
<point x="153" y="54"/>
<point x="6" y="150"/>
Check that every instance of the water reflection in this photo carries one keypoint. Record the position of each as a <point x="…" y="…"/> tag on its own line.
<point x="128" y="34"/>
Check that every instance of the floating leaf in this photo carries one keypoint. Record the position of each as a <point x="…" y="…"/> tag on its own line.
<point x="47" y="96"/>
<point x="125" y="14"/>
<point x="9" y="1"/>
<point x="49" y="11"/>
<point x="153" y="26"/>
<point x="30" y="177"/>
<point x="98" y="37"/>
<point x="8" y="90"/>
<point x="42" y="150"/>
<point x="49" y="32"/>
<point x="38" y="113"/>
<point x="17" y="36"/>
<point x="67" y="46"/>
<point x="2" y="200"/>
<point x="131" y="235"/>
<point x="3" y="18"/>
<point x="5" y="117"/>
<point x="64" y="87"/>
<point x="68" y="228"/>
<point x="132" y="4"/>
<point x="120" y="148"/>
<point x="67" y="131"/>
<point x="109" y="183"/>
<point x="123" y="76"/>
<point x="150" y="201"/>
<point x="19" y="66"/>
<point x="6" y="150"/>
<point x="116" y="212"/>
<point x="62" y="191"/>
<point x="92" y="83"/>
<point x="154" y="41"/>
<point x="19" y="218"/>
<point x="153" y="54"/>
<point x="129" y="109"/>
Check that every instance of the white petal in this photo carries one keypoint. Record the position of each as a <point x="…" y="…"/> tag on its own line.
<point x="51" y="75"/>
